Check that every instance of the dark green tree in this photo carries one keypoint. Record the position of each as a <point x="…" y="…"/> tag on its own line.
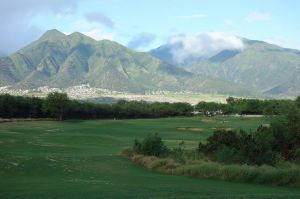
<point x="151" y="145"/>
<point x="297" y="102"/>
<point x="56" y="104"/>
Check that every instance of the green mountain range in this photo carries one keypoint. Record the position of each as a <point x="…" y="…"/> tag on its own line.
<point x="269" y="69"/>
<point x="59" y="60"/>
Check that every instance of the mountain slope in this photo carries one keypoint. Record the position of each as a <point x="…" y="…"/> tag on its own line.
<point x="263" y="66"/>
<point x="59" y="60"/>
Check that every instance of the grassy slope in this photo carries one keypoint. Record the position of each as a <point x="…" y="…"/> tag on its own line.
<point x="78" y="159"/>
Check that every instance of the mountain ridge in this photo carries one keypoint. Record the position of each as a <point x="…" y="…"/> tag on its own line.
<point x="268" y="68"/>
<point x="61" y="60"/>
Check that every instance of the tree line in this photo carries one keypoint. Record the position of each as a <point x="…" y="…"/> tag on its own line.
<point x="247" y="106"/>
<point x="59" y="106"/>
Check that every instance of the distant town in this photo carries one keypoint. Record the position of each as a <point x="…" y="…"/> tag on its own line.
<point x="85" y="91"/>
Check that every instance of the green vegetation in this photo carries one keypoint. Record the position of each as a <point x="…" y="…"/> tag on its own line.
<point x="280" y="139"/>
<point x="151" y="145"/>
<point x="56" y="104"/>
<point x="235" y="156"/>
<point x="59" y="106"/>
<point x="20" y="107"/>
<point x="247" y="106"/>
<point x="79" y="159"/>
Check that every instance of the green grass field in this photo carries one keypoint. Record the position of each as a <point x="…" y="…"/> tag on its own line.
<point x="79" y="159"/>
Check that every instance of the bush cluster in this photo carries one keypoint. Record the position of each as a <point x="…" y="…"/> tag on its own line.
<point x="264" y="146"/>
<point x="152" y="145"/>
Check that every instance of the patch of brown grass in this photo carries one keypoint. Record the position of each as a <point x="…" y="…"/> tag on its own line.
<point x="213" y="170"/>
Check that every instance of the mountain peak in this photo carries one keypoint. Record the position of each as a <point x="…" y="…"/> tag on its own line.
<point x="77" y="34"/>
<point x="52" y="34"/>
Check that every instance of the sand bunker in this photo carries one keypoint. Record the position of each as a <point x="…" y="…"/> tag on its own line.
<point x="227" y="129"/>
<point x="53" y="130"/>
<point x="224" y="121"/>
<point x="189" y="129"/>
<point x="206" y="120"/>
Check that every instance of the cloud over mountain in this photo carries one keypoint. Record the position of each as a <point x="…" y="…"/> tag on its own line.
<point x="141" y="40"/>
<point x="202" y="45"/>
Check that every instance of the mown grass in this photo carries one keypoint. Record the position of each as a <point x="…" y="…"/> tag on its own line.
<point x="79" y="159"/>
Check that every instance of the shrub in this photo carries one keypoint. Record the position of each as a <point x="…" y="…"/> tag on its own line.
<point x="254" y="148"/>
<point x="297" y="156"/>
<point x="152" y="145"/>
<point x="227" y="155"/>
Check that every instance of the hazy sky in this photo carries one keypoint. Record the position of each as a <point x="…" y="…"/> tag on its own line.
<point x="144" y="24"/>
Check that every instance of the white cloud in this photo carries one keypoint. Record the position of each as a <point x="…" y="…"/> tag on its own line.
<point x="91" y="29"/>
<point x="195" y="16"/>
<point x="98" y="35"/>
<point x="205" y="44"/>
<point x="257" y="16"/>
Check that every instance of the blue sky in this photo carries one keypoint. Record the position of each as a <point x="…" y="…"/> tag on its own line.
<point x="143" y="24"/>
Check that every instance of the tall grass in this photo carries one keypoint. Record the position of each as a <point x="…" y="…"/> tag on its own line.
<point x="288" y="175"/>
